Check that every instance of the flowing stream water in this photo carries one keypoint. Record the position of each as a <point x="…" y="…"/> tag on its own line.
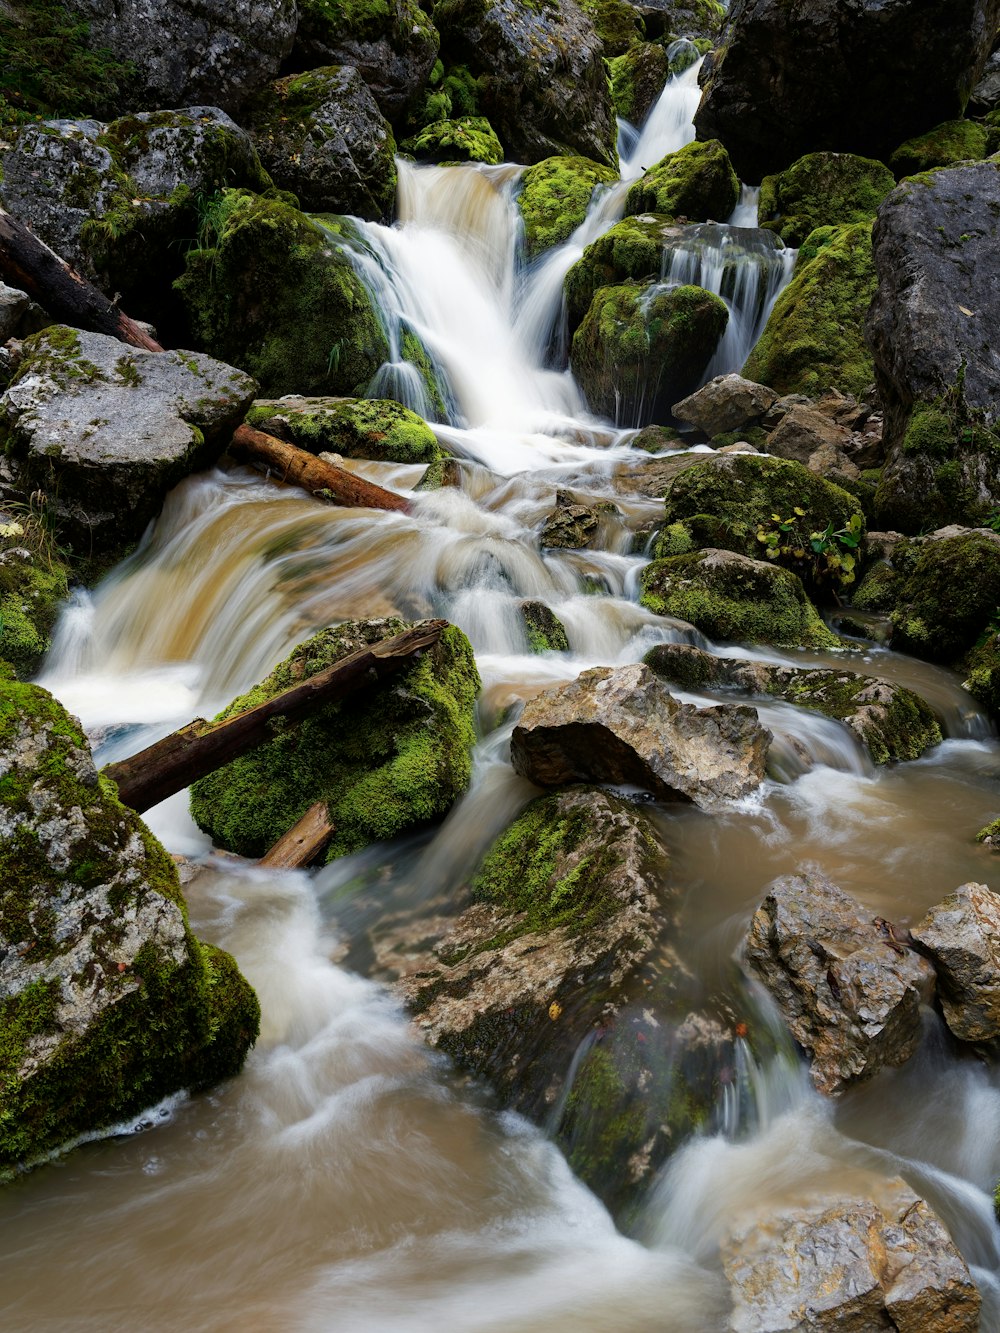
<point x="350" y="1179"/>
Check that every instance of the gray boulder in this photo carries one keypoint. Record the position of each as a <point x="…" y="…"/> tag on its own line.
<point x="932" y="330"/>
<point x="961" y="937"/>
<point x="728" y="402"/>
<point x="322" y="136"/>
<point x="803" y="433"/>
<point x="622" y="725"/>
<point x="14" y="304"/>
<point x="105" y="430"/>
<point x="219" y="51"/>
<point x="793" y="79"/>
<point x="850" y="1265"/>
<point x="848" y="987"/>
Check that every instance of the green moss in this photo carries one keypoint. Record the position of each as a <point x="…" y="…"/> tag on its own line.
<point x="467" y="139"/>
<point x="273" y="295"/>
<point x="674" y="539"/>
<point x="413" y="351"/>
<point x="981" y="667"/>
<point x="31" y="594"/>
<point x="814" y="338"/>
<point x="637" y="79"/>
<point x="631" y="249"/>
<point x="618" y="24"/>
<point x="947" y="599"/>
<point x="735" y="599"/>
<point x="49" y="68"/>
<point x="554" y="198"/>
<point x="697" y="183"/>
<point x="546" y="632"/>
<point x="953" y="141"/>
<point x="383" y="762"/>
<point x="821" y="190"/>
<point x="379" y="429"/>
<point x="878" y="589"/>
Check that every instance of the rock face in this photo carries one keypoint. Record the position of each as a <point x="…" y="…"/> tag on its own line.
<point x="105" y="430"/>
<point x="852" y="1265"/>
<point x="793" y="79"/>
<point x="542" y="80"/>
<point x="932" y="332"/>
<point x="848" y="990"/>
<point x="961" y="936"/>
<point x="622" y="725"/>
<point x="218" y="51"/>
<point x="637" y="79"/>
<point x="726" y="403"/>
<point x="322" y="136"/>
<point x="107" y="1001"/>
<point x="392" y="762"/>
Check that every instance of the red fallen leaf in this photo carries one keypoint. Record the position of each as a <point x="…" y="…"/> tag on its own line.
<point x="121" y="967"/>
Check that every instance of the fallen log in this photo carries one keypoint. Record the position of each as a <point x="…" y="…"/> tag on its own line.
<point x="170" y="765"/>
<point x="303" y="842"/>
<point x="28" y="263"/>
<point x="300" y="468"/>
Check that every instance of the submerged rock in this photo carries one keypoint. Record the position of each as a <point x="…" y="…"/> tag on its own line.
<point x="385" y="763"/>
<point x="623" y="726"/>
<point x="961" y="937"/>
<point x="107" y="1001"/>
<point x="105" y="430"/>
<point x="848" y="987"/>
<point x="725" y="403"/>
<point x="569" y="525"/>
<point x="852" y="1265"/>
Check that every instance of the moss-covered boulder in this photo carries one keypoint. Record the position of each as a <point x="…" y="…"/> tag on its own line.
<point x="33" y="585"/>
<point x="322" y="136"/>
<point x="274" y="294"/>
<point x="730" y="597"/>
<point x="466" y="139"/>
<point x="697" y="183"/>
<point x="554" y="198"/>
<point x="617" y="23"/>
<point x="545" y="631"/>
<point x="946" y="594"/>
<point x="631" y="250"/>
<point x="813" y="340"/>
<point x="948" y="143"/>
<point x="822" y="190"/>
<point x="107" y="1001"/>
<point x="375" y="428"/>
<point x="641" y="349"/>
<point x="637" y="79"/>
<point x="981" y="668"/>
<point x="385" y="763"/>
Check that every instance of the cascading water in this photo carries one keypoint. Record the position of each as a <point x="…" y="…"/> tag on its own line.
<point x="349" y="1180"/>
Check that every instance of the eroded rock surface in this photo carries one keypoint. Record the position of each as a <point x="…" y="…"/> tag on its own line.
<point x="961" y="936"/>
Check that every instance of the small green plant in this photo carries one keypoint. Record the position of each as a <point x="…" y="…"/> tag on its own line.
<point x="823" y="558"/>
<point x="992" y="520"/>
<point x="28" y="525"/>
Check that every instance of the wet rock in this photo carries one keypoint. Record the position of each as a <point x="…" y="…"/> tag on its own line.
<point x="546" y="632"/>
<point x="375" y="428"/>
<point x="569" y="525"/>
<point x="188" y="51"/>
<point x="802" y="432"/>
<point x="554" y="198"/>
<point x="465" y="139"/>
<point x="852" y="1265"/>
<point x="696" y="183"/>
<point x="34" y="583"/>
<point x="822" y="190"/>
<point x="637" y="80"/>
<point x="322" y="136"/>
<point x="961" y="937"/>
<point x="847" y="986"/>
<point x="725" y="403"/>
<point x="541" y="75"/>
<point x="931" y="329"/>
<point x="943" y="146"/>
<point x="384" y="764"/>
<point x="682" y="18"/>
<point x="622" y="725"/>
<point x="633" y="249"/>
<point x="654" y="477"/>
<point x="107" y="1001"/>
<point x="788" y="80"/>
<point x="392" y="44"/>
<point x="104" y="430"/>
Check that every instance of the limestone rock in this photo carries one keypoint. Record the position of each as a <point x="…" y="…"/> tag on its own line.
<point x="850" y="1265"/>
<point x="728" y="402"/>
<point x="107" y="1001"/>
<point x="622" y="725"/>
<point x="849" y="991"/>
<point x="961" y="936"/>
<point x="105" y="430"/>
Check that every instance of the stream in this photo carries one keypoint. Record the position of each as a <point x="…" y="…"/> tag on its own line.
<point x="350" y="1179"/>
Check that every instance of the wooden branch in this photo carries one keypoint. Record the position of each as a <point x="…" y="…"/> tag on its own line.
<point x="28" y="263"/>
<point x="300" y="468"/>
<point x="303" y="842"/>
<point x="201" y="747"/>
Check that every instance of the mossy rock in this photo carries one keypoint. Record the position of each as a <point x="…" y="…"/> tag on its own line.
<point x="379" y="429"/>
<point x="813" y="340"/>
<point x="467" y="139"/>
<point x="732" y="598"/>
<point x="637" y="79"/>
<point x="947" y="594"/>
<point x="982" y="671"/>
<point x="952" y="141"/>
<point x="546" y="632"/>
<point x="271" y="293"/>
<point x="554" y="198"/>
<point x="109" y="1002"/>
<point x="822" y="190"/>
<point x="631" y="250"/>
<point x="383" y="763"/>
<point x="618" y="24"/>
<point x="697" y="182"/>
<point x="878" y="590"/>
<point x="451" y="93"/>
<point x="34" y="583"/>
<point x="639" y="350"/>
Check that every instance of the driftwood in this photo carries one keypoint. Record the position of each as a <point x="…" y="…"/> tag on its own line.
<point x="292" y="464"/>
<point x="201" y="747"/>
<point x="27" y="263"/>
<point x="303" y="842"/>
